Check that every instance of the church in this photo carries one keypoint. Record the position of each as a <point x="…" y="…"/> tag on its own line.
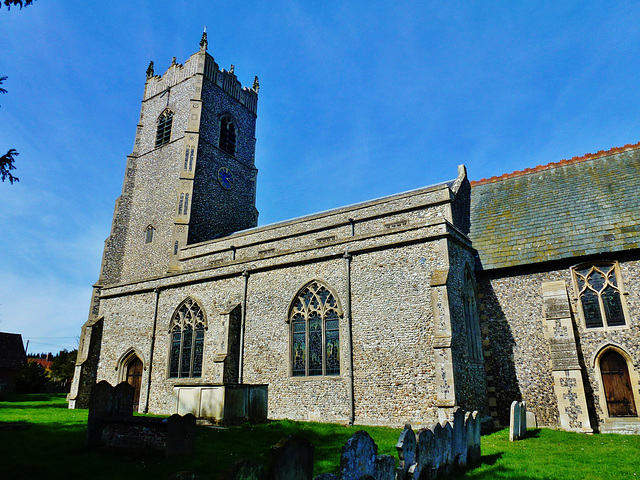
<point x="463" y="293"/>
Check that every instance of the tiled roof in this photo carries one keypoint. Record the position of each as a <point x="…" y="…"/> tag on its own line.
<point x="586" y="205"/>
<point x="12" y="356"/>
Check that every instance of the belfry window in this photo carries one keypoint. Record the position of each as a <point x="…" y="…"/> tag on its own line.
<point x="315" y="339"/>
<point x="148" y="234"/>
<point x="163" y="134"/>
<point x="227" y="135"/>
<point x="599" y="295"/>
<point x="187" y="341"/>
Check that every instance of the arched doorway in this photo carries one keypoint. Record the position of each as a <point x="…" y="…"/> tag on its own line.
<point x="617" y="385"/>
<point x="134" y="378"/>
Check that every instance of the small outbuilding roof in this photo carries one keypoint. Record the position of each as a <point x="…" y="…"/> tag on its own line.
<point x="583" y="206"/>
<point x="12" y="354"/>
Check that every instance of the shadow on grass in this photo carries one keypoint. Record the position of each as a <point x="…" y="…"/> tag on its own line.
<point x="20" y="406"/>
<point x="32" y="397"/>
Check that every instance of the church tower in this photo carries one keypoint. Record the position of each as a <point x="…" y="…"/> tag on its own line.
<point x="191" y="176"/>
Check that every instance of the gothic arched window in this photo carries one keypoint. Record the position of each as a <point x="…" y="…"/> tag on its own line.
<point x="148" y="234"/>
<point x="187" y="341"/>
<point x="474" y="340"/>
<point x="314" y="320"/>
<point x="227" y="135"/>
<point x="598" y="288"/>
<point x="163" y="134"/>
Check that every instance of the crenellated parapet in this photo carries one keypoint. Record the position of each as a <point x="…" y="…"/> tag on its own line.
<point x="203" y="63"/>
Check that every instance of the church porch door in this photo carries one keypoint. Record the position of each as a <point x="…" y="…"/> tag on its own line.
<point x="134" y="378"/>
<point x="617" y="385"/>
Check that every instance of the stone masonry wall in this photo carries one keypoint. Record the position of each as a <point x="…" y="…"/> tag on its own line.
<point x="517" y="352"/>
<point x="471" y="393"/>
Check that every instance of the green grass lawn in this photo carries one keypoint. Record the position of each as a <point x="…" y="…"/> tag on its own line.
<point x="48" y="442"/>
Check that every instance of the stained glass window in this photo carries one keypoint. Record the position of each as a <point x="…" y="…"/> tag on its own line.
<point x="315" y="342"/>
<point x="163" y="134"/>
<point x="187" y="341"/>
<point x="227" y="135"/>
<point x="599" y="295"/>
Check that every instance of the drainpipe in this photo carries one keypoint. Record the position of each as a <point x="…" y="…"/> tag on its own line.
<point x="245" y="274"/>
<point x="153" y="342"/>
<point x="352" y="407"/>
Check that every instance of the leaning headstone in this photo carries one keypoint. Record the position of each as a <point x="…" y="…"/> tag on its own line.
<point x="427" y="458"/>
<point x="473" y="423"/>
<point x="406" y="447"/>
<point x="459" y="441"/>
<point x="243" y="470"/>
<point x="106" y="401"/>
<point x="291" y="459"/>
<point x="358" y="456"/>
<point x="181" y="434"/>
<point x="385" y="467"/>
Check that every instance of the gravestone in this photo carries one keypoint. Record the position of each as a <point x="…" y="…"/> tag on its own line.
<point x="532" y="421"/>
<point x="428" y="461"/>
<point x="106" y="400"/>
<point x="385" y="468"/>
<point x="326" y="476"/>
<point x="358" y="457"/>
<point x="181" y="434"/>
<point x="446" y="444"/>
<point x="406" y="447"/>
<point x="243" y="470"/>
<point x="291" y="459"/>
<point x="459" y="440"/>
<point x="517" y="421"/>
<point x="473" y="424"/>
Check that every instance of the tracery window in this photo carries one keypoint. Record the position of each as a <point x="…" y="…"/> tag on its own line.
<point x="163" y="134"/>
<point x="227" y="135"/>
<point x="474" y="340"/>
<point x="599" y="293"/>
<point x="187" y="341"/>
<point x="315" y="339"/>
<point x="148" y="234"/>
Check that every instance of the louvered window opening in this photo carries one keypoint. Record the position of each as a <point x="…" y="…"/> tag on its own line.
<point x="228" y="136"/>
<point x="163" y="134"/>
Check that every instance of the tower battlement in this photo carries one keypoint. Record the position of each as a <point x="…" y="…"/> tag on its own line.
<point x="203" y="63"/>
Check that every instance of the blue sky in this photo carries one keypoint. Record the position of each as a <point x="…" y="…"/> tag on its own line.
<point x="358" y="100"/>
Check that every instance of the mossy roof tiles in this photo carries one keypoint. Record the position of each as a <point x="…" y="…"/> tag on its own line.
<point x="581" y="206"/>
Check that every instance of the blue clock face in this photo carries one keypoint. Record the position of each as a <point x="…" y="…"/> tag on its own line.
<point x="225" y="178"/>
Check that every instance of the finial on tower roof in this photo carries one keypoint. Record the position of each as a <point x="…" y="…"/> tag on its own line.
<point x="256" y="84"/>
<point x="173" y="61"/>
<point x="232" y="68"/>
<point x="203" y="40"/>
<point x="150" y="69"/>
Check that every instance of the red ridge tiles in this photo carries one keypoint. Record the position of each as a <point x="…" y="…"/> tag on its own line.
<point x="561" y="163"/>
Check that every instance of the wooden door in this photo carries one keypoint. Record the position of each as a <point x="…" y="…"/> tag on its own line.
<point x="134" y="378"/>
<point x="617" y="385"/>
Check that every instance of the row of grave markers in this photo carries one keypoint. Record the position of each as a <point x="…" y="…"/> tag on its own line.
<point x="429" y="454"/>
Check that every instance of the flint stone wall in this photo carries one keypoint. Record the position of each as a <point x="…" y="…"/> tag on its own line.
<point x="517" y="353"/>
